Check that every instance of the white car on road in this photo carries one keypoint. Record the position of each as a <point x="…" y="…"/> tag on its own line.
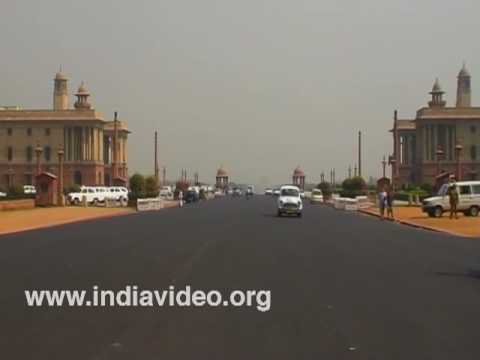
<point x="316" y="197"/>
<point x="289" y="201"/>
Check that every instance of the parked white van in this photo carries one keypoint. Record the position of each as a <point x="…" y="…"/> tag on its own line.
<point x="469" y="199"/>
<point x="118" y="193"/>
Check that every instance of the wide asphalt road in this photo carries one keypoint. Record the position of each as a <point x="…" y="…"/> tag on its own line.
<point x="344" y="286"/>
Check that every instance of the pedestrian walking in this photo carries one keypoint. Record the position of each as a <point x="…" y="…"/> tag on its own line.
<point x="452" y="193"/>
<point x="389" y="203"/>
<point x="382" y="199"/>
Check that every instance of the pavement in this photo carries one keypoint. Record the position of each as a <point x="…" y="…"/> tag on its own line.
<point x="30" y="219"/>
<point x="344" y="286"/>
<point x="466" y="226"/>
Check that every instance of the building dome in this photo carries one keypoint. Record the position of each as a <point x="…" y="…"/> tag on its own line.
<point x="464" y="72"/>
<point x="298" y="172"/>
<point x="437" y="88"/>
<point x="82" y="89"/>
<point x="60" y="76"/>
<point x="221" y="172"/>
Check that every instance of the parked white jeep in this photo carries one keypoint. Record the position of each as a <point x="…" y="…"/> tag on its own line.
<point x="88" y="192"/>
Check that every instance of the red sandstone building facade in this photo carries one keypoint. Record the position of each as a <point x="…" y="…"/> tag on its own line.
<point x="440" y="140"/>
<point x="33" y="138"/>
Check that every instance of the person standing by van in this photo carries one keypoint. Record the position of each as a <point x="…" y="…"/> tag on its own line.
<point x="180" y="198"/>
<point x="382" y="202"/>
<point x="453" y="199"/>
<point x="389" y="203"/>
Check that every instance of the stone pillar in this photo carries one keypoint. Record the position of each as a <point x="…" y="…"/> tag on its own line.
<point x="38" y="153"/>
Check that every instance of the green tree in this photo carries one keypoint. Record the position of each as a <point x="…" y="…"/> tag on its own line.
<point x="353" y="187"/>
<point x="151" y="186"/>
<point x="137" y="186"/>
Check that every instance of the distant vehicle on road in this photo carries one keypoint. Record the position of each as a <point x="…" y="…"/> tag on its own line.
<point x="249" y="192"/>
<point x="276" y="192"/>
<point x="289" y="201"/>
<point x="268" y="191"/>
<point x="468" y="200"/>
<point x="237" y="192"/>
<point x="302" y="194"/>
<point x="316" y="197"/>
<point x="2" y="194"/>
<point x="191" y="196"/>
<point x="166" y="192"/>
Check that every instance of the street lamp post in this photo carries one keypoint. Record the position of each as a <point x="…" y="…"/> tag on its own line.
<point x="393" y="162"/>
<point x="458" y="153"/>
<point x="384" y="165"/>
<point x="60" y="199"/>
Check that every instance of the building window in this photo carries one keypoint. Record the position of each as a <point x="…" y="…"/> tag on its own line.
<point x="28" y="179"/>
<point x="9" y="153"/>
<point x="473" y="152"/>
<point x="29" y="132"/>
<point x="77" y="178"/>
<point x="47" y="132"/>
<point x="9" y="131"/>
<point x="48" y="153"/>
<point x="29" y="153"/>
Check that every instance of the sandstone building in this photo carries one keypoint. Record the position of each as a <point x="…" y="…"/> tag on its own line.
<point x="439" y="140"/>
<point x="29" y="137"/>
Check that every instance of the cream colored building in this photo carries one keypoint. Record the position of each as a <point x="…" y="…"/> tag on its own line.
<point x="84" y="135"/>
<point x="440" y="139"/>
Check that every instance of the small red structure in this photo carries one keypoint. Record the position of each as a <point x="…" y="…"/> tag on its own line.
<point x="47" y="189"/>
<point x="221" y="179"/>
<point x="298" y="178"/>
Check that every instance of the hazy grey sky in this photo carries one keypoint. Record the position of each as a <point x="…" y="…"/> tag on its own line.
<point x="257" y="85"/>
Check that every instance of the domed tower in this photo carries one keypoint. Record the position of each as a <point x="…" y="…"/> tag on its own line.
<point x="437" y="95"/>
<point x="60" y="92"/>
<point x="298" y="178"/>
<point x="82" y="98"/>
<point x="222" y="178"/>
<point x="464" y="91"/>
